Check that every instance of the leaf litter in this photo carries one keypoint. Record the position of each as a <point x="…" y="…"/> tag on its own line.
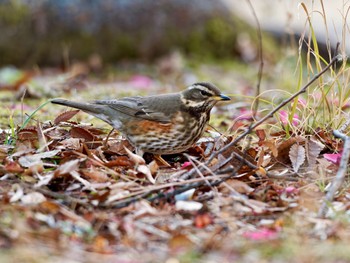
<point x="73" y="184"/>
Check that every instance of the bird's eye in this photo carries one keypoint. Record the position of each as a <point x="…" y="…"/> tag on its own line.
<point x="204" y="93"/>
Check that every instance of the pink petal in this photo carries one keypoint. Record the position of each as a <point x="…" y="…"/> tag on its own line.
<point x="261" y="234"/>
<point x="245" y="114"/>
<point x="333" y="157"/>
<point x="290" y="190"/>
<point x="284" y="117"/>
<point x="185" y="165"/>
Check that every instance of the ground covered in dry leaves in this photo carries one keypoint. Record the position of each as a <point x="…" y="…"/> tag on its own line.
<point x="67" y="192"/>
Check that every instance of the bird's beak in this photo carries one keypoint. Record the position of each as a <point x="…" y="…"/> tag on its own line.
<point x="221" y="97"/>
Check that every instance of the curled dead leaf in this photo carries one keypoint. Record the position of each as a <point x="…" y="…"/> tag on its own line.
<point x="144" y="169"/>
<point x="137" y="159"/>
<point x="78" y="132"/>
<point x="67" y="167"/>
<point x="65" y="116"/>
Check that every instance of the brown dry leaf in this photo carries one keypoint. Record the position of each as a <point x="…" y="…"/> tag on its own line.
<point x="248" y="154"/>
<point x="284" y="148"/>
<point x="95" y="175"/>
<point x="67" y="167"/>
<point x="56" y="134"/>
<point x="78" y="132"/>
<point x="271" y="145"/>
<point x="297" y="156"/>
<point x="261" y="157"/>
<point x="65" y="116"/>
<point x="13" y="167"/>
<point x="71" y="144"/>
<point x="49" y="207"/>
<point x="313" y="149"/>
<point x="328" y="139"/>
<point x="4" y="151"/>
<point x="117" y="146"/>
<point x="119" y="161"/>
<point x="27" y="134"/>
<point x="261" y="134"/>
<point x="238" y="185"/>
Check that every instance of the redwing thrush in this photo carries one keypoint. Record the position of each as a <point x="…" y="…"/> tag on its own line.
<point x="160" y="124"/>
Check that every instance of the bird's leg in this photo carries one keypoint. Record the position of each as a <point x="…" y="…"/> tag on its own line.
<point x="161" y="160"/>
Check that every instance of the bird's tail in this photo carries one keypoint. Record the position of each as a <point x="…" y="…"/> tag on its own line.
<point x="99" y="111"/>
<point x="87" y="107"/>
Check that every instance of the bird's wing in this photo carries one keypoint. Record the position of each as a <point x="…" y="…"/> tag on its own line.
<point x="136" y="107"/>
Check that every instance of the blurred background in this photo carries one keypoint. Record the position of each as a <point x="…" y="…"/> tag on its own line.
<point x="57" y="33"/>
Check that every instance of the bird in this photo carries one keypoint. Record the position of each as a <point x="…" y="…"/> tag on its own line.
<point x="160" y="124"/>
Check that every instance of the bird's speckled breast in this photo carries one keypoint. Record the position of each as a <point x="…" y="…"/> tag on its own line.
<point x="167" y="138"/>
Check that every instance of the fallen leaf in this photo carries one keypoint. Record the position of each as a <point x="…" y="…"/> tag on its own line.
<point x="13" y="167"/>
<point x="137" y="159"/>
<point x="95" y="175"/>
<point x="144" y="169"/>
<point x="78" y="132"/>
<point x="34" y="159"/>
<point x="313" y="149"/>
<point x="67" y="167"/>
<point x="297" y="156"/>
<point x="33" y="198"/>
<point x="65" y="116"/>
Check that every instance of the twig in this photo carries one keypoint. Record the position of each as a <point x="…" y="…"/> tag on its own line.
<point x="66" y="198"/>
<point x="195" y="183"/>
<point x="340" y="176"/>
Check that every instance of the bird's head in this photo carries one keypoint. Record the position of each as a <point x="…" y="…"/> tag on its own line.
<point x="202" y="96"/>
